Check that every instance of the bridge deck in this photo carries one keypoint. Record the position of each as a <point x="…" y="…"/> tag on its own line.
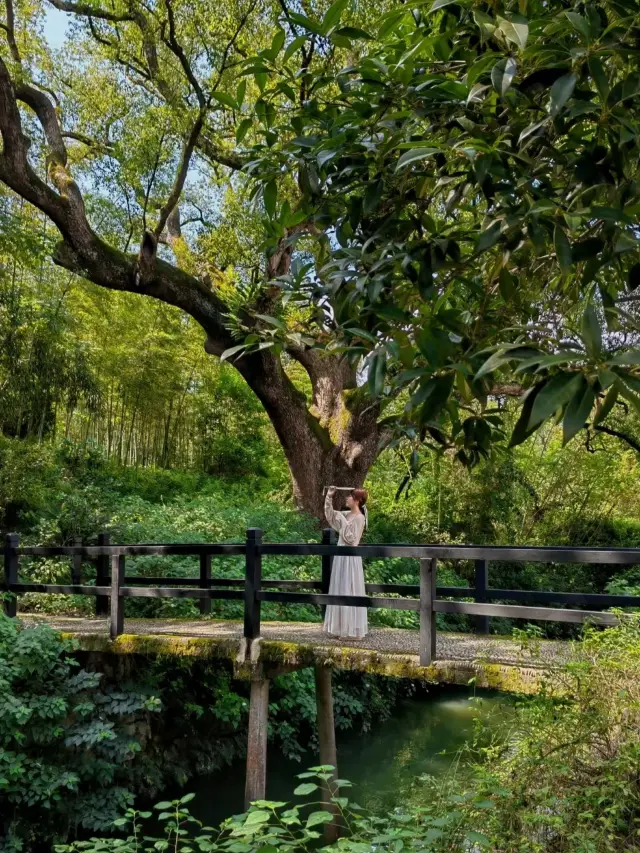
<point x="497" y="662"/>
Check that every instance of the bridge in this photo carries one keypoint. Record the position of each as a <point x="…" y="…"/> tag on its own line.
<point x="261" y="650"/>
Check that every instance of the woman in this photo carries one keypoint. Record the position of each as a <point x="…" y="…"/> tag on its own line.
<point x="347" y="575"/>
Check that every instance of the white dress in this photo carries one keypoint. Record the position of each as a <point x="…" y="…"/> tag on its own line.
<point x="347" y="576"/>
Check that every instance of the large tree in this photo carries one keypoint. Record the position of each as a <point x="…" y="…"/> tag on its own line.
<point x="464" y="180"/>
<point x="146" y="97"/>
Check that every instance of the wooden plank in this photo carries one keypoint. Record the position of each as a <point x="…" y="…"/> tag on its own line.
<point x="76" y="564"/>
<point x="588" y="599"/>
<point x="133" y="580"/>
<point x="481" y="583"/>
<point x="178" y="592"/>
<point x="327" y="744"/>
<point x="253" y="577"/>
<point x="502" y="553"/>
<point x="313" y="550"/>
<point x="515" y="611"/>
<point x="340" y="600"/>
<point x="205" y="578"/>
<point x="63" y="589"/>
<point x="256" y="777"/>
<point x="116" y="622"/>
<point x="427" y="646"/>
<point x="193" y="550"/>
<point x="11" y="544"/>
<point x="102" y="576"/>
<point x="329" y="537"/>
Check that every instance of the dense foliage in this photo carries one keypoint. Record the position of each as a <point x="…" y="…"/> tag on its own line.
<point x="564" y="779"/>
<point x="471" y="180"/>
<point x="445" y="191"/>
<point x="71" y="367"/>
<point x="67" y="747"/>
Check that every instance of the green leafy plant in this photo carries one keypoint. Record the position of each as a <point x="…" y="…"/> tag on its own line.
<point x="67" y="748"/>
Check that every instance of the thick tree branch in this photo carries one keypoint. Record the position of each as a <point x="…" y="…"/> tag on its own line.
<point x="176" y="48"/>
<point x="87" y="140"/>
<point x="89" y="11"/>
<point x="82" y="251"/>
<point x="10" y="30"/>
<point x="181" y="175"/>
<point x="621" y="435"/>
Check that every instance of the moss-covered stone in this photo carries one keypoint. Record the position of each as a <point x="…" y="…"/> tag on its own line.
<point x="158" y="644"/>
<point x="273" y="657"/>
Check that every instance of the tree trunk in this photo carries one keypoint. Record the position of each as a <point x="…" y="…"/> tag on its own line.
<point x="333" y="441"/>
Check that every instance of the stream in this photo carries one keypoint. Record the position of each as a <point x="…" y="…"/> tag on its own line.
<point x="423" y="737"/>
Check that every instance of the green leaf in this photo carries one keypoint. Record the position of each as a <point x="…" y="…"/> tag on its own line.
<point x="414" y="155"/>
<point x="226" y="99"/>
<point x="257" y="816"/>
<point x="270" y="197"/>
<point x="577" y="411"/>
<point x="377" y="370"/>
<point x="277" y="43"/>
<point x="627" y="357"/>
<point x="440" y="392"/>
<point x="531" y="130"/>
<point x="502" y="74"/>
<point x="165" y="804"/>
<point x="306" y="23"/>
<point x="599" y="77"/>
<point x="316" y="818"/>
<point x="243" y="129"/>
<point x="295" y="45"/>
<point x="554" y="393"/>
<point x="333" y="14"/>
<point x="226" y="355"/>
<point x="579" y="24"/>
<point x="477" y="838"/>
<point x="590" y="331"/>
<point x="489" y="237"/>
<point x="605" y="408"/>
<point x="305" y="789"/>
<point x="372" y="196"/>
<point x="563" y="250"/>
<point x="440" y="4"/>
<point x="561" y="91"/>
<point x="354" y="33"/>
<point x="502" y="356"/>
<point x="522" y="431"/>
<point x="515" y="30"/>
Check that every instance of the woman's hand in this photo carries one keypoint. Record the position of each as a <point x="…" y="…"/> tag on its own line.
<point x="331" y="491"/>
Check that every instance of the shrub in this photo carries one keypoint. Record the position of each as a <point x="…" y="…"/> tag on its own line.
<point x="66" y="746"/>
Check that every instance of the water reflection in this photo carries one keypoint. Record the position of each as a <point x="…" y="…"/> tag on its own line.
<point x="424" y="737"/>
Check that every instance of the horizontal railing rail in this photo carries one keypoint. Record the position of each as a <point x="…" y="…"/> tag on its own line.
<point x="113" y="585"/>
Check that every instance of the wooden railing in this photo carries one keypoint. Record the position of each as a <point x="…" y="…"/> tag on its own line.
<point x="113" y="585"/>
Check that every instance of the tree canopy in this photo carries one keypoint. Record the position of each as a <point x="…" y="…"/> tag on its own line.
<point x="427" y="208"/>
<point x="472" y="182"/>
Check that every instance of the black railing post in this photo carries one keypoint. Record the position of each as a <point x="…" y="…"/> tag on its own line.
<point x="11" y="543"/>
<point x="428" y="571"/>
<point x="116" y="626"/>
<point x="252" y="582"/>
<point x="76" y="563"/>
<point x="481" y="585"/>
<point x="102" y="576"/>
<point x="205" y="578"/>
<point x="329" y="537"/>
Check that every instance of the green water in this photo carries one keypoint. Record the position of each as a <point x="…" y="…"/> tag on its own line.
<point x="424" y="737"/>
